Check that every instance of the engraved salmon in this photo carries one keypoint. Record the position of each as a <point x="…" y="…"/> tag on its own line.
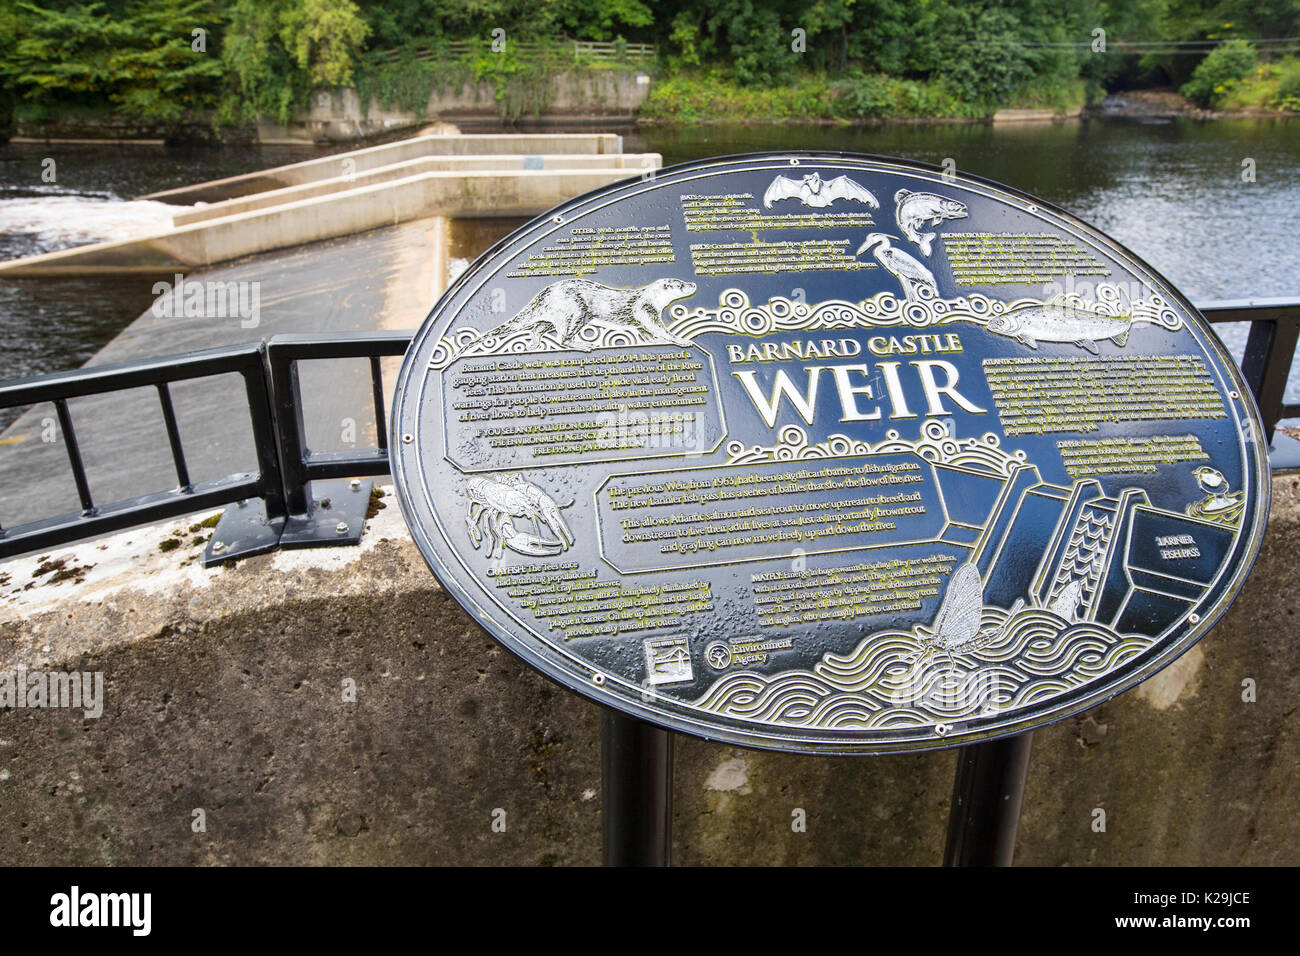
<point x="1055" y="322"/>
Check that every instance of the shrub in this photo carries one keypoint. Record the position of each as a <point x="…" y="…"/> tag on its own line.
<point x="1288" y="86"/>
<point x="1223" y="67"/>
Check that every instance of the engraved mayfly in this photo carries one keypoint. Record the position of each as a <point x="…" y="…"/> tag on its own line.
<point x="956" y="628"/>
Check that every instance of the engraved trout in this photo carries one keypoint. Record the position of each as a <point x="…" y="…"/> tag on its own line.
<point x="913" y="210"/>
<point x="1056" y="322"/>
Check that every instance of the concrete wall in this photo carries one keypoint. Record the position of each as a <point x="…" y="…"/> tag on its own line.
<point x="566" y="97"/>
<point x="333" y="116"/>
<point x="223" y="692"/>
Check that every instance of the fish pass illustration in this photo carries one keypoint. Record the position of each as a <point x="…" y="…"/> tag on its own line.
<point x="833" y="473"/>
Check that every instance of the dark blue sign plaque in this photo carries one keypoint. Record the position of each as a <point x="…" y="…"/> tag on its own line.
<point x="832" y="453"/>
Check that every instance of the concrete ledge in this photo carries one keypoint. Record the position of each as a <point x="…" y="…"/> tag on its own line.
<point x="342" y="183"/>
<point x="223" y="692"/>
<point x="1002" y="117"/>
<point x="466" y="195"/>
<point x="373" y="157"/>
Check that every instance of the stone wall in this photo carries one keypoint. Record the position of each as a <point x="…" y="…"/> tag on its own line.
<point x="224" y="692"/>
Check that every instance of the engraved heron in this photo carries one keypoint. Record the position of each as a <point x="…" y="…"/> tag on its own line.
<point x="911" y="274"/>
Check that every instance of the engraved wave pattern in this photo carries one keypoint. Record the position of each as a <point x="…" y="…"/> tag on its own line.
<point x="935" y="444"/>
<point x="889" y="681"/>
<point x="469" y="343"/>
<point x="736" y="315"/>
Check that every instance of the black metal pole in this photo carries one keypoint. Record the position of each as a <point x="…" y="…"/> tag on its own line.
<point x="636" y="766"/>
<point x="986" y="797"/>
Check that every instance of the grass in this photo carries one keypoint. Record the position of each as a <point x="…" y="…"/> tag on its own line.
<point x="1272" y="86"/>
<point x="817" y="97"/>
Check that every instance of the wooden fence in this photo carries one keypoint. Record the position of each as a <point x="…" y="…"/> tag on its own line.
<point x="601" y="51"/>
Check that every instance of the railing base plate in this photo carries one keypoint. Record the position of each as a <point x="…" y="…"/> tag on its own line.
<point x="243" y="531"/>
<point x="337" y="516"/>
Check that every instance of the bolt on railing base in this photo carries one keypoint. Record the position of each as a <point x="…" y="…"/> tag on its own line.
<point x="337" y="515"/>
<point x="242" y="531"/>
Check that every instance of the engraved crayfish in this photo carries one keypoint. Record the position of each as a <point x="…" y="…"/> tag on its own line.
<point x="495" y="502"/>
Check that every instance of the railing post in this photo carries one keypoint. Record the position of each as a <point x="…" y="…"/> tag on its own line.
<point x="261" y="412"/>
<point x="636" y="767"/>
<point x="986" y="797"/>
<point x="291" y="432"/>
<point x="1266" y="365"/>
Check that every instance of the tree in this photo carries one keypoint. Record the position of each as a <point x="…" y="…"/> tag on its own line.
<point x="141" y="59"/>
<point x="276" y="52"/>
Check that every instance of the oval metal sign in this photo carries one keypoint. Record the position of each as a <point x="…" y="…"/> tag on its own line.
<point x="826" y="452"/>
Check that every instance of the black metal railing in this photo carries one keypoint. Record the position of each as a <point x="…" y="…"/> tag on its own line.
<point x="332" y="513"/>
<point x="1270" y="350"/>
<point x="290" y="512"/>
<point x="95" y="518"/>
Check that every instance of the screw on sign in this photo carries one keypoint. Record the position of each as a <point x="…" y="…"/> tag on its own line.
<point x="1010" y="502"/>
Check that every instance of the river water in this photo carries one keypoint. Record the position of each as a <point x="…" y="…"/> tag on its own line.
<point x="1173" y="191"/>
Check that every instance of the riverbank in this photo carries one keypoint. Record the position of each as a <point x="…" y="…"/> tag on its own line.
<point x="670" y="111"/>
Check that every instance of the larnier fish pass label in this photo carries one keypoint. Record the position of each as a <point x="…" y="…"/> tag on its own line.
<point x="820" y="452"/>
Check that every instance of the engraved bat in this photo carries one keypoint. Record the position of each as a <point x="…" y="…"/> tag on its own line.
<point x="816" y="192"/>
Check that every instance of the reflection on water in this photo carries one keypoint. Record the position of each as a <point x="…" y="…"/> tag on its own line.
<point x="51" y="324"/>
<point x="1172" y="191"/>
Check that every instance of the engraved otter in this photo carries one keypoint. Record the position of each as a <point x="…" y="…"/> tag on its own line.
<point x="563" y="309"/>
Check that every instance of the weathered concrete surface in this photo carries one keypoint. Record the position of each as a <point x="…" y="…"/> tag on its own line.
<point x="566" y="96"/>
<point x="224" y="692"/>
<point x="1002" y="117"/>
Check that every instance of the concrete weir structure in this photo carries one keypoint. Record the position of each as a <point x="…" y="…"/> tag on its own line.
<point x="444" y="175"/>
<point x="336" y="706"/>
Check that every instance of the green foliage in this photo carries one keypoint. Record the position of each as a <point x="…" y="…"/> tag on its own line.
<point x="406" y="78"/>
<point x="690" y="97"/>
<point x="1288" y="86"/>
<point x="694" y="97"/>
<point x="1221" y="70"/>
<point x="601" y="19"/>
<point x="141" y="60"/>
<point x="1270" y="87"/>
<point x="832" y="60"/>
<point x="520" y="84"/>
<point x="277" y="51"/>
<point x="323" y="36"/>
